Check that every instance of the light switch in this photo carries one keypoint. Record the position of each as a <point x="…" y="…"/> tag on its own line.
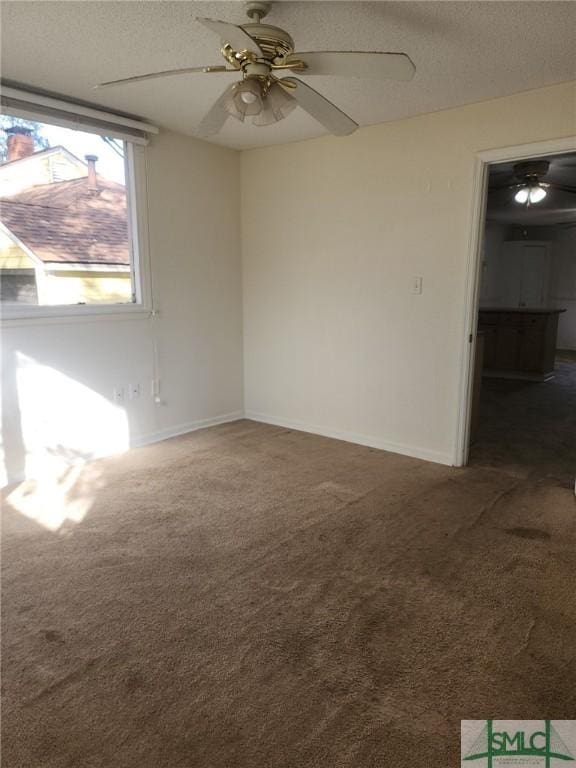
<point x="417" y="285"/>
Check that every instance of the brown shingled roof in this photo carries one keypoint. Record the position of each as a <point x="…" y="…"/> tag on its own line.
<point x="68" y="222"/>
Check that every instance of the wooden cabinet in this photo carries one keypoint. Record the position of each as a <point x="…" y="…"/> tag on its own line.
<point x="519" y="343"/>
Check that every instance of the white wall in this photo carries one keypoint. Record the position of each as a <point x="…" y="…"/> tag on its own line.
<point x="563" y="286"/>
<point x="333" y="232"/>
<point x="58" y="378"/>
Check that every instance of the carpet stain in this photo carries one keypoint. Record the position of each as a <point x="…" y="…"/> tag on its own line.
<point x="527" y="533"/>
<point x="133" y="682"/>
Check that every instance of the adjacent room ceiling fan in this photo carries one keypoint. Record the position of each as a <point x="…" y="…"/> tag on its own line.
<point x="258" y="51"/>
<point x="529" y="189"/>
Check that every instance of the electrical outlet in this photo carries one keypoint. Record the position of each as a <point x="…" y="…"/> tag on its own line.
<point x="134" y="391"/>
<point x="118" y="394"/>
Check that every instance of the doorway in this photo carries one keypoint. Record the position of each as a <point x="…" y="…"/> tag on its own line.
<point x="519" y="391"/>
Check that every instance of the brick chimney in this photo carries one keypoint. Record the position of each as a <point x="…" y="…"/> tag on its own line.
<point x="92" y="175"/>
<point x="20" y="143"/>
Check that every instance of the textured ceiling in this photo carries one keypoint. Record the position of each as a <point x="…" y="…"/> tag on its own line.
<point x="557" y="208"/>
<point x="464" y="52"/>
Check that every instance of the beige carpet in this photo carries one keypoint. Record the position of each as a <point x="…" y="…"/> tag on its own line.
<point x="254" y="597"/>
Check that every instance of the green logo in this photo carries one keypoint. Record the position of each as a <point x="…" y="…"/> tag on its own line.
<point x="545" y="744"/>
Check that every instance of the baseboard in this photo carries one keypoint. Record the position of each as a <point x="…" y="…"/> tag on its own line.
<point x="139" y="441"/>
<point x="371" y="441"/>
<point x="182" y="429"/>
<point x="539" y="378"/>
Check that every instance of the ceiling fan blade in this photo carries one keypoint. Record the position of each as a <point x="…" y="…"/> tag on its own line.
<point x="502" y="187"/>
<point x="230" y="33"/>
<point x="561" y="187"/>
<point x="214" y="119"/>
<point x="164" y="73"/>
<point x="332" y="118"/>
<point x="369" y="64"/>
<point x="544" y="183"/>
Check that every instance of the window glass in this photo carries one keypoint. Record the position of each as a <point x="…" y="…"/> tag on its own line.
<point x="64" y="225"/>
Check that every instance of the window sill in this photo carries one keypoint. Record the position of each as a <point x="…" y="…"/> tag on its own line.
<point x="73" y="314"/>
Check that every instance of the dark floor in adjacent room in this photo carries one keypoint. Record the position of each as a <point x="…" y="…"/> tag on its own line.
<point x="529" y="428"/>
<point x="249" y="596"/>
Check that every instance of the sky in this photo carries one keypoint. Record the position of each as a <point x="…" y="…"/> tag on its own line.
<point x="110" y="165"/>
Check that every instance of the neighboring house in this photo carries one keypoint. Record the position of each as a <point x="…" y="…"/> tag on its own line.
<point x="65" y="242"/>
<point x="26" y="168"/>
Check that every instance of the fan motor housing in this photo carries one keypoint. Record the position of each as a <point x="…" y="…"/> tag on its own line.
<point x="276" y="43"/>
<point x="531" y="168"/>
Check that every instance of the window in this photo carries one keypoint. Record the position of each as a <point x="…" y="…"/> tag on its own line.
<point x="70" y="223"/>
<point x="64" y="232"/>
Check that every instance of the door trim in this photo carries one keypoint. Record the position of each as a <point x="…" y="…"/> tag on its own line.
<point x="482" y="162"/>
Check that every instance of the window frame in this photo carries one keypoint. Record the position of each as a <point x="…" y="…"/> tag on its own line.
<point x="141" y="306"/>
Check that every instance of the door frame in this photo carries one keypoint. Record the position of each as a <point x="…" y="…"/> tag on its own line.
<point x="473" y="270"/>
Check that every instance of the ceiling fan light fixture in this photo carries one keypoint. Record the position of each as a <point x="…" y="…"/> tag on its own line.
<point x="537" y="194"/>
<point x="529" y="194"/>
<point x="277" y="105"/>
<point x="247" y="98"/>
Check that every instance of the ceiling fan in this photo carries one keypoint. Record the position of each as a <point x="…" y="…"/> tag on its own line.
<point x="529" y="188"/>
<point x="258" y="51"/>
